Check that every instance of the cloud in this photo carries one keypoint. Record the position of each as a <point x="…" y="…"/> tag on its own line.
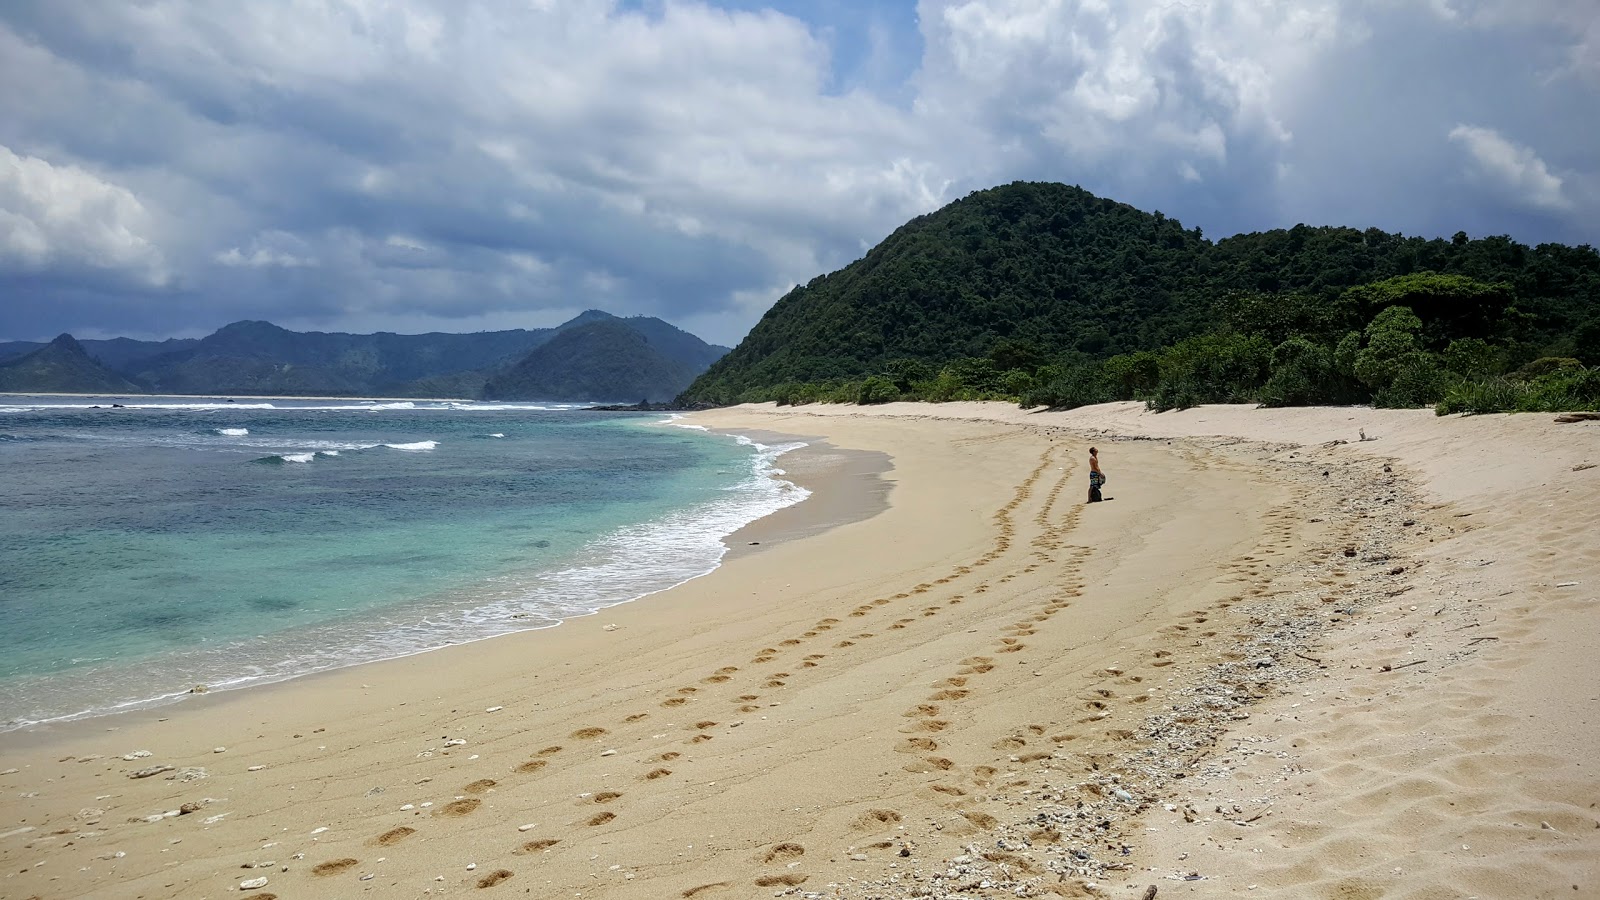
<point x="347" y="165"/>
<point x="1511" y="166"/>
<point x="272" y="249"/>
<point x="65" y="218"/>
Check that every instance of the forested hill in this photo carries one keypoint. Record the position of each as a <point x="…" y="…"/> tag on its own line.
<point x="1034" y="278"/>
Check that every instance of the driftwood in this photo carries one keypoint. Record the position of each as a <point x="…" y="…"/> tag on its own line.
<point x="1149" y="893"/>
<point x="1566" y="418"/>
<point x="1415" y="662"/>
<point x="1477" y="640"/>
<point x="1311" y="658"/>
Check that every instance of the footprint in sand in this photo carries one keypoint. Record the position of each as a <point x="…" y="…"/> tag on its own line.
<point x="333" y="867"/>
<point x="700" y="739"/>
<point x="532" y="765"/>
<point x="636" y="717"/>
<point x="790" y="880"/>
<point x="394" y="836"/>
<point x="550" y="751"/>
<point x="669" y="756"/>
<point x="714" y="679"/>
<point x="600" y="818"/>
<point x="699" y="889"/>
<point x="918" y="745"/>
<point x="494" y="878"/>
<point x="675" y="701"/>
<point x="584" y="734"/>
<point x="653" y="774"/>
<point x="784" y="852"/>
<point x="874" y="819"/>
<point x="458" y="808"/>
<point x="479" y="786"/>
<point x="604" y="797"/>
<point x="541" y="844"/>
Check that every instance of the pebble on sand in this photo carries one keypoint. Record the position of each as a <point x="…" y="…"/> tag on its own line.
<point x="251" y="884"/>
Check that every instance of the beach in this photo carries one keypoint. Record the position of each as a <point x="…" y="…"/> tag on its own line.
<point x="1329" y="653"/>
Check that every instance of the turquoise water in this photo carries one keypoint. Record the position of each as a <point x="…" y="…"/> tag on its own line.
<point x="175" y="542"/>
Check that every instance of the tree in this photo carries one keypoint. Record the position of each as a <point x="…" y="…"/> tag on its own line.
<point x="1446" y="305"/>
<point x="1391" y="343"/>
<point x="1303" y="373"/>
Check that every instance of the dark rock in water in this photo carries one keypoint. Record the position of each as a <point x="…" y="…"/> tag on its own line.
<point x="641" y="406"/>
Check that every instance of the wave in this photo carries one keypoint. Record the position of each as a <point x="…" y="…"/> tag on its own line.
<point x="295" y="406"/>
<point x="304" y="457"/>
<point x="497" y="434"/>
<point x="414" y="446"/>
<point x="233" y="432"/>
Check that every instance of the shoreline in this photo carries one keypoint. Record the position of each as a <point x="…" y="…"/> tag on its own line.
<point x="1259" y="668"/>
<point x="817" y="468"/>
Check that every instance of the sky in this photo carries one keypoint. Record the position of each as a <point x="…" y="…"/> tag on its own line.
<point x="462" y="165"/>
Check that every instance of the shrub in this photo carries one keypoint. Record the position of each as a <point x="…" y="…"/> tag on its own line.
<point x="877" y="389"/>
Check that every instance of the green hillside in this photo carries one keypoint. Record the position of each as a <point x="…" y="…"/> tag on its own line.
<point x="1045" y="292"/>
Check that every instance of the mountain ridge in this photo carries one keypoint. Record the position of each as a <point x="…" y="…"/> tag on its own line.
<point x="260" y="358"/>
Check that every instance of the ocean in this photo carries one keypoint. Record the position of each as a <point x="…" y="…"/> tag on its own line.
<point x="166" y="543"/>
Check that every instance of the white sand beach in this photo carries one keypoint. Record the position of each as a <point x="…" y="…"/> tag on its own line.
<point x="1283" y="662"/>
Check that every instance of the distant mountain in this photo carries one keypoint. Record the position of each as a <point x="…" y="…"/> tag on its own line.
<point x="62" y="366"/>
<point x="253" y="357"/>
<point x="607" y="358"/>
<point x="262" y="358"/>
<point x="116" y="353"/>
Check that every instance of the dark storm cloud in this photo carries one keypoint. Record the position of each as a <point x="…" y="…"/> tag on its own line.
<point x="172" y="166"/>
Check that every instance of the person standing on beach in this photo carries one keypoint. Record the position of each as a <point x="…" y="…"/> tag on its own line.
<point x="1096" y="477"/>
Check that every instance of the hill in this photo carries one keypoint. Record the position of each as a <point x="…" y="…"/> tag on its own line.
<point x="62" y="366"/>
<point x="607" y="359"/>
<point x="1033" y="278"/>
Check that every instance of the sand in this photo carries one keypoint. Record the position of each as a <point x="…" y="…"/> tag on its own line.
<point x="1273" y="666"/>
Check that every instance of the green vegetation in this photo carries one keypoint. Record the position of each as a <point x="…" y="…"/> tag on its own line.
<point x="1046" y="295"/>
